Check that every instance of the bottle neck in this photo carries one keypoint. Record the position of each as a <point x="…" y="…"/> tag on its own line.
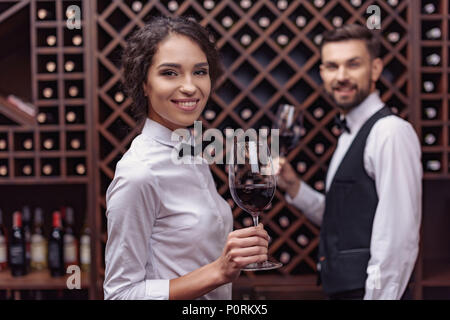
<point x="56" y="220"/>
<point x="17" y="220"/>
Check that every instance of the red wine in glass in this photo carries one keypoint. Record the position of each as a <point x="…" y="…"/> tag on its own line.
<point x="252" y="183"/>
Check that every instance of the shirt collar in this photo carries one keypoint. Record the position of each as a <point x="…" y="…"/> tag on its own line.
<point x="160" y="133"/>
<point x="359" y="115"/>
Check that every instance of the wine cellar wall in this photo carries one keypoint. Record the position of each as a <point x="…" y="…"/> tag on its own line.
<point x="82" y="123"/>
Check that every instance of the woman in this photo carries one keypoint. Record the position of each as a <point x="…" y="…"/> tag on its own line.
<point x="169" y="231"/>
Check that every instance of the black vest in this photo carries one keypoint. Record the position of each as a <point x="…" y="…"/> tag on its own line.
<point x="346" y="231"/>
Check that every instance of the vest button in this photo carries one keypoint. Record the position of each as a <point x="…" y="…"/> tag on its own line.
<point x="322" y="258"/>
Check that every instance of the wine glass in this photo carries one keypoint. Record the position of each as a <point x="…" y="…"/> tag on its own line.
<point x="290" y="128"/>
<point x="252" y="182"/>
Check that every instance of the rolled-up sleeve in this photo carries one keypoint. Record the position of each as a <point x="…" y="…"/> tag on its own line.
<point x="132" y="206"/>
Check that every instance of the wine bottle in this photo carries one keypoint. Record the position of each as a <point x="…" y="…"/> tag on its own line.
<point x="393" y="3"/>
<point x="85" y="247"/>
<point x="284" y="221"/>
<point x="209" y="4"/>
<point x="27" y="170"/>
<point x="69" y="66"/>
<point x="428" y="86"/>
<point x="245" y="4"/>
<point x="56" y="247"/>
<point x="393" y="37"/>
<point x="27" y="234"/>
<point x="285" y="257"/>
<point x="51" y="40"/>
<point x="318" y="113"/>
<point x="302" y="240"/>
<point x="71" y="117"/>
<point x="50" y="66"/>
<point x="27" y="144"/>
<point x="3" y="170"/>
<point x="38" y="243"/>
<point x="136" y="6"/>
<point x="3" y="245"/>
<point x="264" y="22"/>
<point x="282" y="40"/>
<point x="172" y="5"/>
<point x="80" y="169"/>
<point x="318" y="39"/>
<point x="429" y="8"/>
<point x="47" y="169"/>
<point x="73" y="91"/>
<point x="227" y="22"/>
<point x="3" y="144"/>
<point x="302" y="167"/>
<point x="319" y="3"/>
<point x="48" y="144"/>
<point x="429" y="139"/>
<point x="77" y="40"/>
<point x="319" y="185"/>
<point x="70" y="240"/>
<point x="75" y="144"/>
<point x="433" y="59"/>
<point x="210" y="115"/>
<point x="356" y="3"/>
<point x="282" y="4"/>
<point x="246" y="39"/>
<point x="246" y="114"/>
<point x="430" y="112"/>
<point x="17" y="249"/>
<point x="301" y="21"/>
<point x="433" y="165"/>
<point x="43" y="14"/>
<point x="337" y="21"/>
<point x="434" y="33"/>
<point x="47" y="93"/>
<point x="119" y="97"/>
<point x="319" y="148"/>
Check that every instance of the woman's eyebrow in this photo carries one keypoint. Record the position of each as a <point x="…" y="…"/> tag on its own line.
<point x="178" y="66"/>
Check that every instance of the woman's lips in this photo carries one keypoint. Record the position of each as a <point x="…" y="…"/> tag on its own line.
<point x="186" y="105"/>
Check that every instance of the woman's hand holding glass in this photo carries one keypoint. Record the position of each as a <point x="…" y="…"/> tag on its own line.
<point x="243" y="247"/>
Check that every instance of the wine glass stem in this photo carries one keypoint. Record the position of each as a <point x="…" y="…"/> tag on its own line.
<point x="255" y="219"/>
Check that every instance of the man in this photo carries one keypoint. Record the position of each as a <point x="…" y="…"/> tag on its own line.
<point x="371" y="213"/>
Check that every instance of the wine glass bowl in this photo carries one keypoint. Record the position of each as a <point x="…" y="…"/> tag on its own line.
<point x="290" y="126"/>
<point x="252" y="183"/>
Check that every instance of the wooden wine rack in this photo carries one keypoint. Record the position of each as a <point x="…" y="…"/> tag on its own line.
<point x="259" y="76"/>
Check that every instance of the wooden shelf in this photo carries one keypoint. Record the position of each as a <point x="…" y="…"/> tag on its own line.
<point x="38" y="280"/>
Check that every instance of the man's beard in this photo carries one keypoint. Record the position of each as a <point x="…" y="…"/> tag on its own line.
<point x="360" y="96"/>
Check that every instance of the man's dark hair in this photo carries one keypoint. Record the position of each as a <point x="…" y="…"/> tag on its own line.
<point x="353" y="32"/>
<point x="142" y="46"/>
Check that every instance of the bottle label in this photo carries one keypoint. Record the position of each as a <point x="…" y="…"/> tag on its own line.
<point x="17" y="252"/>
<point x="70" y="249"/>
<point x="38" y="248"/>
<point x="3" y="250"/>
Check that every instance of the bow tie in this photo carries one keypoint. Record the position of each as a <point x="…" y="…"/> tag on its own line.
<point x="341" y="123"/>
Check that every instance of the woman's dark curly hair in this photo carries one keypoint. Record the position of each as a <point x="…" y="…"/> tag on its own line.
<point x="142" y="46"/>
